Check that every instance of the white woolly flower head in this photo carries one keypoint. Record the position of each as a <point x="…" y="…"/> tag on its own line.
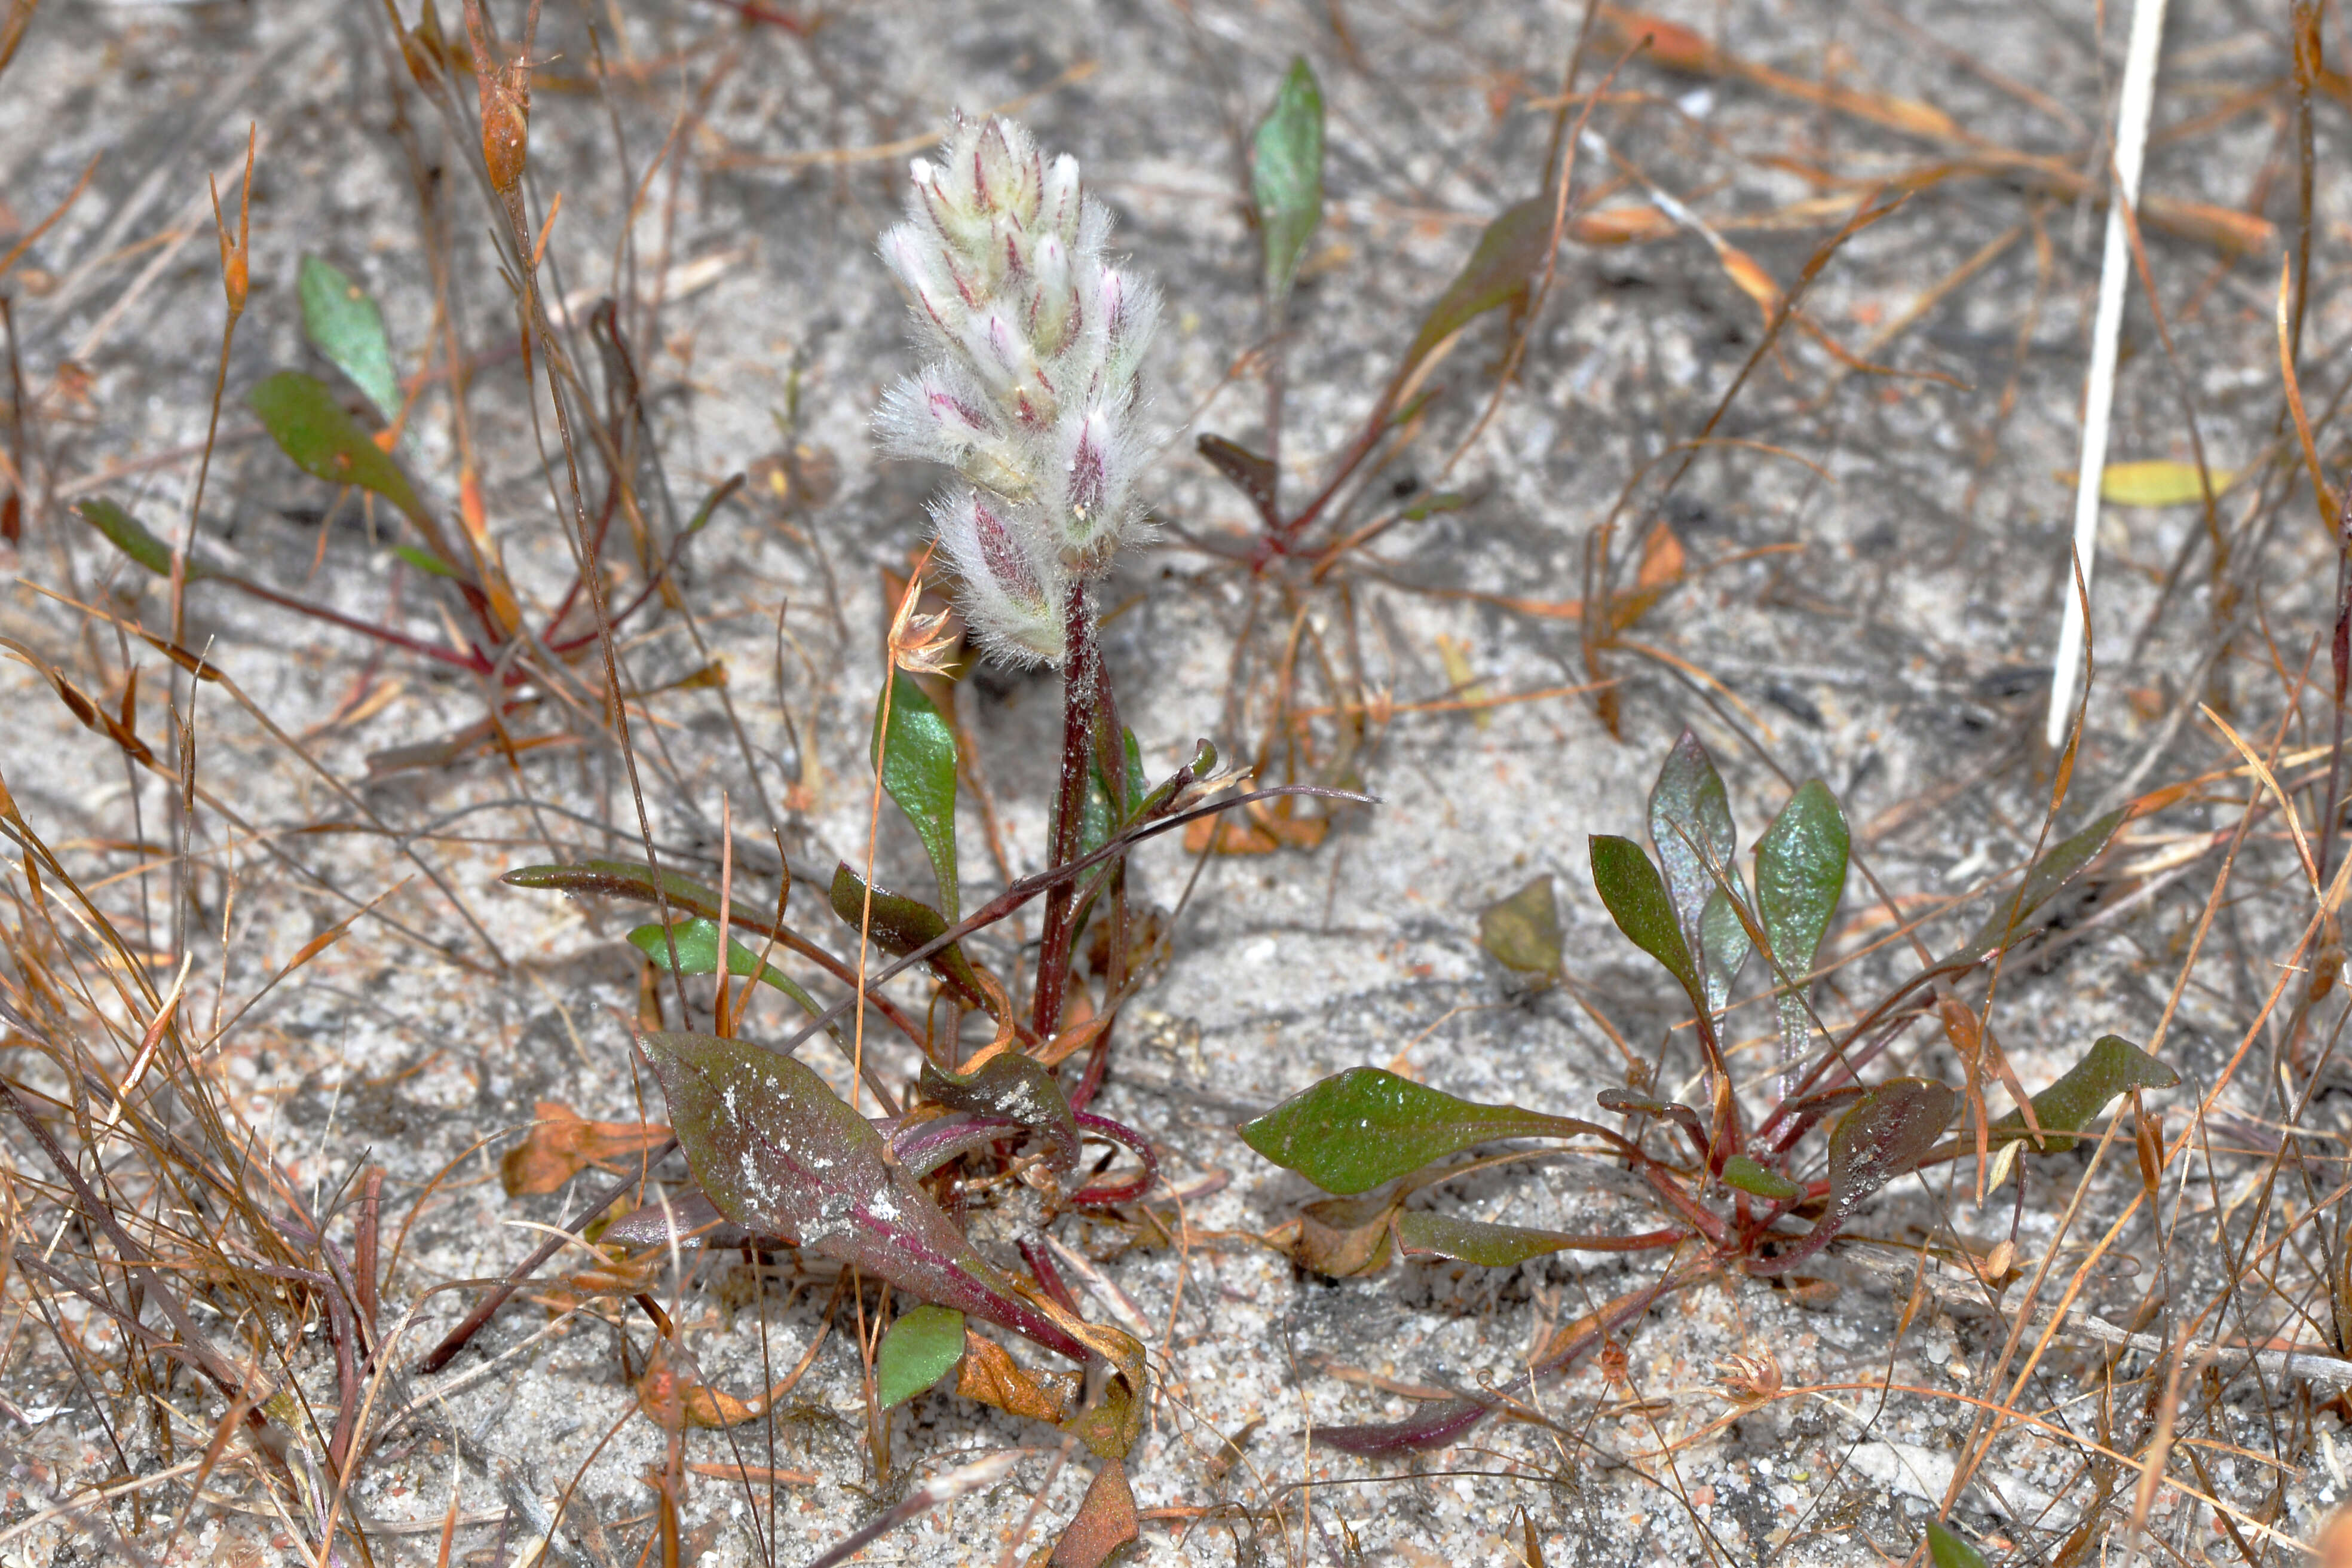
<point x="1034" y="342"/>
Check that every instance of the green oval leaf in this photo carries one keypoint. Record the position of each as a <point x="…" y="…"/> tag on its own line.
<point x="899" y="925"/>
<point x="1510" y="253"/>
<point x="343" y="323"/>
<point x="1523" y="931"/>
<point x="1746" y="1174"/>
<point x="2112" y="1066"/>
<point x="2059" y="865"/>
<point x="128" y="535"/>
<point x="1287" y="176"/>
<point x="1637" y="901"/>
<point x="698" y="953"/>
<point x="1945" y="1550"/>
<point x="1799" y="876"/>
<point x="302" y="415"/>
<point x="917" y="760"/>
<point x="917" y="1350"/>
<point x="1358" y="1129"/>
<point x="1475" y="1241"/>
<point x="1691" y="828"/>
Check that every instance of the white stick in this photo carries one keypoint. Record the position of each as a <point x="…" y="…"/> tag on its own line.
<point x="2132" y="112"/>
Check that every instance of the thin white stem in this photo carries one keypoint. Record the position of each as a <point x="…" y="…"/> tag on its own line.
<point x="2132" y="113"/>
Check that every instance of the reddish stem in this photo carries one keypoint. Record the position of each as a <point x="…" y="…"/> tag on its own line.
<point x="1080" y="680"/>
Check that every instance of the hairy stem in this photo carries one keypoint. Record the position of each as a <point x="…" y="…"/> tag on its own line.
<point x="1081" y="681"/>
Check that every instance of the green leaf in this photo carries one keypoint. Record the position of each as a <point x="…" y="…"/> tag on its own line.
<point x="1799" y="876"/>
<point x="1098" y="820"/>
<point x="1510" y="253"/>
<point x="623" y="880"/>
<point x="1475" y="1241"/>
<point x="917" y="1350"/>
<point x="1358" y="1129"/>
<point x="917" y="760"/>
<point x="1637" y="901"/>
<point x="1746" y="1174"/>
<point x="1012" y="1085"/>
<point x="899" y="925"/>
<point x="128" y="535"/>
<point x="424" y="560"/>
<point x="1691" y="826"/>
<point x="343" y="323"/>
<point x="1203" y="763"/>
<point x="781" y="1155"/>
<point x="2112" y="1066"/>
<point x="1287" y="176"/>
<point x="713" y="501"/>
<point x="1945" y="1550"/>
<point x="1434" y="504"/>
<point x="1138" y="784"/>
<point x="2059" y="865"/>
<point x="1723" y="941"/>
<point x="302" y="416"/>
<point x="1523" y="931"/>
<point x="698" y="953"/>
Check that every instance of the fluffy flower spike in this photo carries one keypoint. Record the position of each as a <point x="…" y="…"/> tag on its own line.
<point x="1033" y="343"/>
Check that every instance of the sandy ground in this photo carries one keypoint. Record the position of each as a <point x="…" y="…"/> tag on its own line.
<point x="1877" y="564"/>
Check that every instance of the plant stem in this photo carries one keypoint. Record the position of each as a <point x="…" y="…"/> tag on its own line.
<point x="1111" y="756"/>
<point x="1081" y="681"/>
<point x="2340" y="661"/>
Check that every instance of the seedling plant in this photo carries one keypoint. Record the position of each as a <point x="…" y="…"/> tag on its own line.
<point x="1733" y="1175"/>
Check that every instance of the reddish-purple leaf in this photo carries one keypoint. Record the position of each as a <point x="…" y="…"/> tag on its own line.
<point x="1891" y="1129"/>
<point x="1018" y="1088"/>
<point x="779" y="1152"/>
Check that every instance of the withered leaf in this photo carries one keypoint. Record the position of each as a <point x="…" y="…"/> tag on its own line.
<point x="564" y="1141"/>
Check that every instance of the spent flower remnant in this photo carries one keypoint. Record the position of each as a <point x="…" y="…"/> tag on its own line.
<point x="1029" y="390"/>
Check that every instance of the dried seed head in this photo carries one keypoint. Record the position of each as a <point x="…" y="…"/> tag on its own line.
<point x="1034" y="345"/>
<point x="235" y="275"/>
<point x="506" y="125"/>
<point x="425" y="49"/>
<point x="1749" y="1380"/>
<point x="505" y="88"/>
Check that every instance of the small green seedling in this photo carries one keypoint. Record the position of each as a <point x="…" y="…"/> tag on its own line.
<point x="1727" y="1182"/>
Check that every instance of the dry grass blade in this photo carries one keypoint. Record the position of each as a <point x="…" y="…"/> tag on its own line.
<point x="2134" y="106"/>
